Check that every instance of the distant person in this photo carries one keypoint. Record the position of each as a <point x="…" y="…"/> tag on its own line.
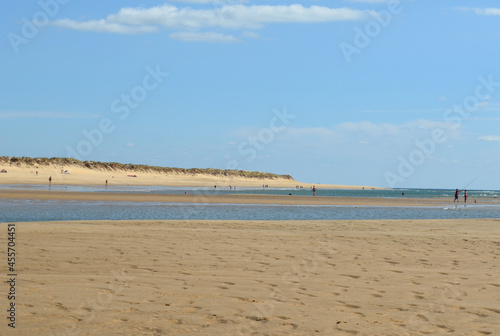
<point x="314" y="190"/>
<point x="37" y="172"/>
<point x="50" y="179"/>
<point x="215" y="187"/>
<point x="465" y="196"/>
<point x="106" y="183"/>
<point x="456" y="196"/>
<point x="403" y="193"/>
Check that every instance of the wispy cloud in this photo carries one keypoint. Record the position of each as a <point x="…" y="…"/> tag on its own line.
<point x="490" y="138"/>
<point x="360" y="132"/>
<point x="216" y="2"/>
<point x="383" y="131"/>
<point x="211" y="37"/>
<point x="236" y="17"/>
<point x="102" y="26"/>
<point x="370" y="1"/>
<point x="310" y="131"/>
<point x="488" y="106"/>
<point x="250" y="34"/>
<point x="481" y="11"/>
<point x="368" y="128"/>
<point x="430" y="110"/>
<point x="45" y="115"/>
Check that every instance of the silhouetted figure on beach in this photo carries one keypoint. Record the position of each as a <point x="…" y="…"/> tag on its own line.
<point x="456" y="196"/>
<point x="465" y="196"/>
<point x="50" y="179"/>
<point x="314" y="190"/>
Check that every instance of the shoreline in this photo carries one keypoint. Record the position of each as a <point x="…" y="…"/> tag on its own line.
<point x="232" y="198"/>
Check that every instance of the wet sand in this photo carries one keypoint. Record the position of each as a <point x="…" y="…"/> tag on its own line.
<point x="385" y="277"/>
<point x="231" y="199"/>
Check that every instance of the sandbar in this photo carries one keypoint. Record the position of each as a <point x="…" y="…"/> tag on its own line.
<point x="232" y="198"/>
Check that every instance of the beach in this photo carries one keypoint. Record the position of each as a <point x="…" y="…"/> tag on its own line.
<point x="412" y="277"/>
<point x="242" y="277"/>
<point x="78" y="175"/>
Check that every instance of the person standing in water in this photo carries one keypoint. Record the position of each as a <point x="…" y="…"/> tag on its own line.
<point x="314" y="190"/>
<point x="50" y="179"/>
<point x="465" y="196"/>
<point x="456" y="196"/>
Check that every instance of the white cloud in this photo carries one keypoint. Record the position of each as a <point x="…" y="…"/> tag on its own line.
<point x="481" y="11"/>
<point x="147" y="20"/>
<point x="204" y="37"/>
<point x="490" y="138"/>
<point x="102" y="26"/>
<point x="235" y="17"/>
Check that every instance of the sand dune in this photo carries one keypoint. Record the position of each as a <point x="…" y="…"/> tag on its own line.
<point x="78" y="175"/>
<point x="412" y="277"/>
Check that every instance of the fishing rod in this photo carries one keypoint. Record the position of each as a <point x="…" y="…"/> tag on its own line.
<point x="470" y="183"/>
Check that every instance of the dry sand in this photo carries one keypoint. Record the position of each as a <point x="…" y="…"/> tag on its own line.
<point x="409" y="277"/>
<point x="83" y="176"/>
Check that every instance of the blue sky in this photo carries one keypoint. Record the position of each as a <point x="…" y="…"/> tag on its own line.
<point x="367" y="92"/>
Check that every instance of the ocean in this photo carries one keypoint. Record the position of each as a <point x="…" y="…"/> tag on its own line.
<point x="55" y="210"/>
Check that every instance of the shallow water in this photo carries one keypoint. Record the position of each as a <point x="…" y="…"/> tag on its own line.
<point x="224" y="190"/>
<point x="55" y="210"/>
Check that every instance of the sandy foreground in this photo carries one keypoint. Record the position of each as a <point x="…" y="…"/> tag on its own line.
<point x="386" y="277"/>
<point x="84" y="176"/>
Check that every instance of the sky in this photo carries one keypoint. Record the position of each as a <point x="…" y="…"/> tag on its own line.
<point x="402" y="94"/>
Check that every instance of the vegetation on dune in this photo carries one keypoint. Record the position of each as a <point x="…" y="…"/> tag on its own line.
<point x="115" y="166"/>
